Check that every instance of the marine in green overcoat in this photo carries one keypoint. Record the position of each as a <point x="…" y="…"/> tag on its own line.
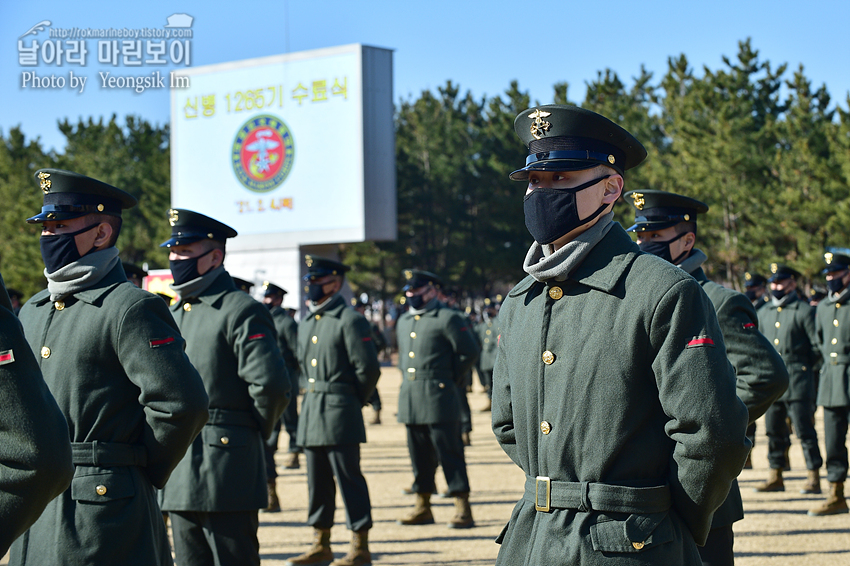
<point x="488" y="331"/>
<point x="788" y="323"/>
<point x="35" y="454"/>
<point x="611" y="388"/>
<point x="832" y="320"/>
<point x="666" y="226"/>
<point x="340" y="365"/>
<point x="287" y="343"/>
<point x="216" y="490"/>
<point x="436" y="349"/>
<point x="113" y="359"/>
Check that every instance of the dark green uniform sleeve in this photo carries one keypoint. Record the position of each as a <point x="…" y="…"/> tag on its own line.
<point x="363" y="357"/>
<point x="261" y="365"/>
<point x="696" y="389"/>
<point x="151" y="350"/>
<point x="762" y="377"/>
<point x="464" y="345"/>
<point x="35" y="451"/>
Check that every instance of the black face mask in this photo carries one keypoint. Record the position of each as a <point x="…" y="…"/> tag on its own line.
<point x="60" y="250"/>
<point x="268" y="306"/>
<point x="778" y="293"/>
<point x="552" y="213"/>
<point x="416" y="301"/>
<point x="835" y="285"/>
<point x="662" y="249"/>
<point x="184" y="270"/>
<point x="315" y="292"/>
<point x="751" y="295"/>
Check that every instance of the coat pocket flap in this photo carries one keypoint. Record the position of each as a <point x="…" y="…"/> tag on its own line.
<point x="634" y="534"/>
<point x="103" y="487"/>
<point x="227" y="436"/>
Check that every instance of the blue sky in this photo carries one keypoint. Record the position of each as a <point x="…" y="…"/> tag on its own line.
<point x="480" y="45"/>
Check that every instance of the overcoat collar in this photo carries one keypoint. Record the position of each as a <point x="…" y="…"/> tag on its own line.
<point x="212" y="295"/>
<point x="603" y="268"/>
<point x="334" y="308"/>
<point x="92" y="295"/>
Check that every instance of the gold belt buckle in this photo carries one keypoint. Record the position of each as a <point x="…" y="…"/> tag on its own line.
<point x="542" y="500"/>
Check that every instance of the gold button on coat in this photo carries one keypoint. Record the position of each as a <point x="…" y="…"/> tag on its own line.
<point x="413" y="335"/>
<point x="778" y="309"/>
<point x="777" y="325"/>
<point x="776" y="341"/>
<point x="835" y="322"/>
<point x="313" y="362"/>
<point x="488" y="332"/>
<point x="441" y="385"/>
<point x="45" y="352"/>
<point x="314" y="339"/>
<point x="556" y="292"/>
<point x="318" y="316"/>
<point x="411" y="355"/>
<point x="545" y="427"/>
<point x="59" y="305"/>
<point x="225" y="440"/>
<point x="417" y="317"/>
<point x="101" y="490"/>
<point x="548" y="357"/>
<point x="187" y="307"/>
<point x="835" y="340"/>
<point x="638" y="545"/>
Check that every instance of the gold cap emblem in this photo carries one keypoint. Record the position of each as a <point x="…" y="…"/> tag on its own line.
<point x="748" y="276"/>
<point x="408" y="274"/>
<point x="828" y="257"/>
<point x="265" y="284"/>
<point x="539" y="126"/>
<point x="611" y="159"/>
<point x="639" y="202"/>
<point x="308" y="259"/>
<point x="172" y="216"/>
<point x="45" y="182"/>
<point x="773" y="267"/>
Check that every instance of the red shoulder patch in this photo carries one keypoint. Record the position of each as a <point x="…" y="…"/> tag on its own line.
<point x="749" y="325"/>
<point x="698" y="341"/>
<point x="7" y="357"/>
<point x="256" y="336"/>
<point x="367" y="339"/>
<point x="162" y="342"/>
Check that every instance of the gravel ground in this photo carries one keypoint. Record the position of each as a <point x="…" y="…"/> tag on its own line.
<point x="776" y="530"/>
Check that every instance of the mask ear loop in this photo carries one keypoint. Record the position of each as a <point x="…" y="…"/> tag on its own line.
<point x="681" y="255"/>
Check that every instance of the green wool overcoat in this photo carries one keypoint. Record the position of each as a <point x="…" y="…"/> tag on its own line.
<point x="615" y="379"/>
<point x="287" y="343"/>
<point x="488" y="333"/>
<point x="436" y="349"/>
<point x="339" y="363"/>
<point x="791" y="330"/>
<point x="113" y="359"/>
<point x="833" y="330"/>
<point x="35" y="453"/>
<point x="231" y="339"/>
<point x="761" y="376"/>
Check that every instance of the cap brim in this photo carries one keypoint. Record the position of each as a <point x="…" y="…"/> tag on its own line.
<point x="779" y="277"/>
<point x="54" y="216"/>
<point x="651" y="226"/>
<point x="833" y="268"/>
<point x="554" y="165"/>
<point x="182" y="241"/>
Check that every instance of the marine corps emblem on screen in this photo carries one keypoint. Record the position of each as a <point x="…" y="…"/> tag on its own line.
<point x="262" y="154"/>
